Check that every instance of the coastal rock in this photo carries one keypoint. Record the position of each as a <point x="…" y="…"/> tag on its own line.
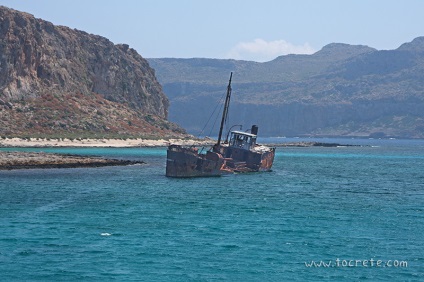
<point x="26" y="160"/>
<point x="56" y="68"/>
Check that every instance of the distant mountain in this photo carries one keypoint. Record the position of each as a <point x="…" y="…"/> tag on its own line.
<point x="341" y="90"/>
<point x="58" y="81"/>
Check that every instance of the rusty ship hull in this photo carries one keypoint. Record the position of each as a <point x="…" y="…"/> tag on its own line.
<point x="240" y="153"/>
<point x="185" y="162"/>
<point x="188" y="162"/>
<point x="257" y="159"/>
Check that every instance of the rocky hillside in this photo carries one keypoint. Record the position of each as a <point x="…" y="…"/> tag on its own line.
<point x="60" y="81"/>
<point x="341" y="90"/>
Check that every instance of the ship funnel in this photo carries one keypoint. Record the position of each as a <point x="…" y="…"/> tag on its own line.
<point x="254" y="129"/>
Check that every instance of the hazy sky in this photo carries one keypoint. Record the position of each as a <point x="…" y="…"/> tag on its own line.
<point x="257" y="30"/>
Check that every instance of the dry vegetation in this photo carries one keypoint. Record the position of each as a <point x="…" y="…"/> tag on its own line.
<point x="79" y="116"/>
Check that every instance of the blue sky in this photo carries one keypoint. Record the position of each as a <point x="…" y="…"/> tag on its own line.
<point x="238" y="29"/>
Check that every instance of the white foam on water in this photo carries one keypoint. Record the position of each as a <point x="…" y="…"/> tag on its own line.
<point x="105" y="234"/>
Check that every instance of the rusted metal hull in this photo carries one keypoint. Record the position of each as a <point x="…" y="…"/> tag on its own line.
<point x="241" y="160"/>
<point x="240" y="153"/>
<point x="187" y="162"/>
<point x="267" y="159"/>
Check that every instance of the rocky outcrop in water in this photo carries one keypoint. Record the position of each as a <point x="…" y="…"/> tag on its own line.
<point x="27" y="160"/>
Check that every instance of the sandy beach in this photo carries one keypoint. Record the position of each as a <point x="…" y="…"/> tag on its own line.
<point x="124" y="143"/>
<point x="112" y="143"/>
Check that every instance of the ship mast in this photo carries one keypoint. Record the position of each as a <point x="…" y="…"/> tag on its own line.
<point x="225" y="112"/>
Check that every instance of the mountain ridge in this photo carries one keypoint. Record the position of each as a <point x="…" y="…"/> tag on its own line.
<point x="341" y="90"/>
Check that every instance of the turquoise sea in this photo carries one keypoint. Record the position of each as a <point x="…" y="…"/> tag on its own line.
<point x="322" y="214"/>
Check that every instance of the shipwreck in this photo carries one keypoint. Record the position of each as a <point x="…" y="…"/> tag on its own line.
<point x="238" y="153"/>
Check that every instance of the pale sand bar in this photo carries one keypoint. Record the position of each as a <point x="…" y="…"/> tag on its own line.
<point x="113" y="143"/>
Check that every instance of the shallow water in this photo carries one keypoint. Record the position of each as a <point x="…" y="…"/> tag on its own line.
<point x="343" y="206"/>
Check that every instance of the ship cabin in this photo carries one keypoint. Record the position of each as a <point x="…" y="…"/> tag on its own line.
<point x="242" y="140"/>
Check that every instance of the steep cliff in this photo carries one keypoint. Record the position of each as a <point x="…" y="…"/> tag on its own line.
<point x="54" y="80"/>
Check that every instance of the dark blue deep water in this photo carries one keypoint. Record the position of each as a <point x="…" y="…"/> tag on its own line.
<point x="349" y="207"/>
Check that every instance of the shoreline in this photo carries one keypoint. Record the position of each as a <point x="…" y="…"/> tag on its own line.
<point x="135" y="143"/>
<point x="101" y="143"/>
<point x="11" y="160"/>
<point x="304" y="144"/>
